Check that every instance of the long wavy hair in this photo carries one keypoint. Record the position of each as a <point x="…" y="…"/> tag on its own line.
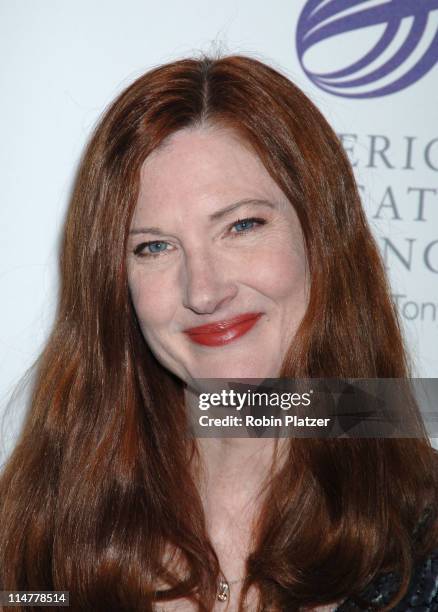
<point x="100" y="482"/>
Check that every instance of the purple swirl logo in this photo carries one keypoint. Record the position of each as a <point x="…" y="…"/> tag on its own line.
<point x="404" y="51"/>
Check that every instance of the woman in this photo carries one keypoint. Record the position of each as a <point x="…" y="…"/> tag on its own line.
<point x="215" y="231"/>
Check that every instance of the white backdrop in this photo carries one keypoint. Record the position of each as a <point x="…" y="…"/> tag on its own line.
<point x="64" y="61"/>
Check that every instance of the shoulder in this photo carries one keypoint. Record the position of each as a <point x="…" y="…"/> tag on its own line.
<point x="422" y="594"/>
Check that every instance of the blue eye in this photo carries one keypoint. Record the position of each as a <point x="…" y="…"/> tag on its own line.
<point x="157" y="247"/>
<point x="244" y="225"/>
<point x="147" y="249"/>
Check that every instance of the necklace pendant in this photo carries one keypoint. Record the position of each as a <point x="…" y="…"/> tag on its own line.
<point x="223" y="590"/>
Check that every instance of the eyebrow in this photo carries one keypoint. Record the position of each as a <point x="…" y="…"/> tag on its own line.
<point x="213" y="217"/>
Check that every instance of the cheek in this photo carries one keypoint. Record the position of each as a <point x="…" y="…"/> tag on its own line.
<point x="154" y="303"/>
<point x="280" y="272"/>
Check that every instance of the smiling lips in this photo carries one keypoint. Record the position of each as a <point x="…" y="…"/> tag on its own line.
<point x="223" y="332"/>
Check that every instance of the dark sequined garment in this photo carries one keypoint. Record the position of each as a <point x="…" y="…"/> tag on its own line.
<point x="422" y="595"/>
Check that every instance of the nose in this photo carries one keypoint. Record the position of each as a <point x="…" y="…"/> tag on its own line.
<point x="207" y="283"/>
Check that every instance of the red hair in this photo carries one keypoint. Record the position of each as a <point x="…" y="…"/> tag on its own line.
<point x="99" y="484"/>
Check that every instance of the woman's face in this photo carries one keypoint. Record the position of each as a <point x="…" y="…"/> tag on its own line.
<point x="216" y="262"/>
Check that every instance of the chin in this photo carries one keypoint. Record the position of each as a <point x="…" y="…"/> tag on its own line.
<point x="237" y="370"/>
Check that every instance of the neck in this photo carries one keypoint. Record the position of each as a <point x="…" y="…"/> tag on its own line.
<point x="233" y="468"/>
<point x="232" y="475"/>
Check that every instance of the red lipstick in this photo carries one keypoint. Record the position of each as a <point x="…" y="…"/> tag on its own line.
<point x="223" y="332"/>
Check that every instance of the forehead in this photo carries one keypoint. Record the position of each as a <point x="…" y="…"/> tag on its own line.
<point x="200" y="169"/>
